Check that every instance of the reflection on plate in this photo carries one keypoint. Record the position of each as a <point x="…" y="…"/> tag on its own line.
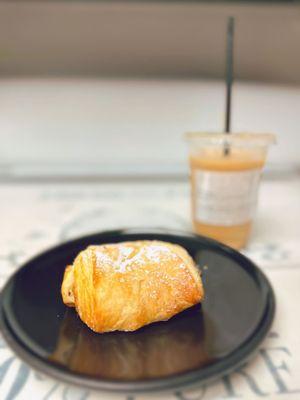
<point x="155" y="351"/>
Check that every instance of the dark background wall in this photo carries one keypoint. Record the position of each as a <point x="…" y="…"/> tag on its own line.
<point x="182" y="39"/>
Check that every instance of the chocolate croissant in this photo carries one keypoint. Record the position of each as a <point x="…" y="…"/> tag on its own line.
<point x="127" y="285"/>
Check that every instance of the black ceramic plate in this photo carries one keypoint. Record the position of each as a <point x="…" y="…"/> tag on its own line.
<point x="195" y="346"/>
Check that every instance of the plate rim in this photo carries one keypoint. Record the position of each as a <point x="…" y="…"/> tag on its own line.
<point x="187" y="379"/>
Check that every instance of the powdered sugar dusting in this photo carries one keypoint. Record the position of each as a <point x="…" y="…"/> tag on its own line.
<point x="103" y="258"/>
<point x="155" y="252"/>
<point x="124" y="258"/>
<point x="125" y="251"/>
<point x="130" y="256"/>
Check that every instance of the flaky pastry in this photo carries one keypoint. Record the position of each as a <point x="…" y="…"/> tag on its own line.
<point x="127" y="285"/>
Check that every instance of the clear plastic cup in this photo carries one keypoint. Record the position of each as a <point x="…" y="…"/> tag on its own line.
<point x="225" y="175"/>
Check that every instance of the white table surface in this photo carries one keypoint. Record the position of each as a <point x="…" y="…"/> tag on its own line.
<point x="35" y="217"/>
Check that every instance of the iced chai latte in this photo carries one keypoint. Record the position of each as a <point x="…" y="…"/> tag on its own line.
<point x="225" y="175"/>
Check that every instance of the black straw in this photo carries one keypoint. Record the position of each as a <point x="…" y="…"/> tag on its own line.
<point x="229" y="77"/>
<point x="229" y="71"/>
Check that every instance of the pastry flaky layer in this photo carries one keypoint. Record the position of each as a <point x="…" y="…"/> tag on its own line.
<point x="127" y="285"/>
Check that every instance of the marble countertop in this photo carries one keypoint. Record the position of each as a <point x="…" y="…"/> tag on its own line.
<point x="34" y="217"/>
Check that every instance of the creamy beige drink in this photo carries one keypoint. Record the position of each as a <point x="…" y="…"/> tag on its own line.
<point x="225" y="183"/>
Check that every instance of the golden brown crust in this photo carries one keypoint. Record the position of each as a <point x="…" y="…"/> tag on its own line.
<point x="125" y="286"/>
<point x="67" y="287"/>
